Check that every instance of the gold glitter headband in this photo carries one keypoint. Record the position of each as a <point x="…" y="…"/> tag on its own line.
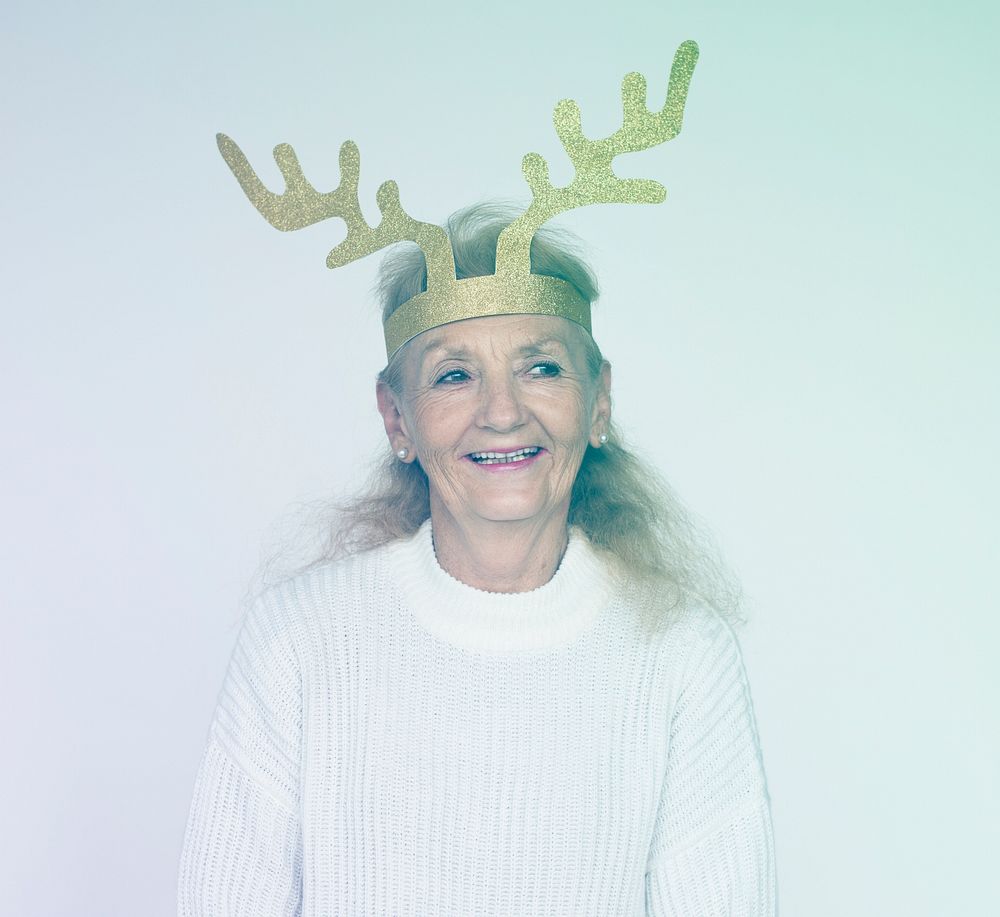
<point x="513" y="289"/>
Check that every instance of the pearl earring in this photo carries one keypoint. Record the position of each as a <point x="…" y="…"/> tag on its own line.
<point x="603" y="438"/>
<point x="403" y="453"/>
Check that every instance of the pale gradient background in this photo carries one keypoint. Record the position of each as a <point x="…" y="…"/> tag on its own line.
<point x="805" y="339"/>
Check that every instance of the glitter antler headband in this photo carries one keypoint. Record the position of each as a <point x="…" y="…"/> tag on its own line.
<point x="513" y="289"/>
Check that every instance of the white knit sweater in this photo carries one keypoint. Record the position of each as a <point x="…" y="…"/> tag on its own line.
<point x="389" y="740"/>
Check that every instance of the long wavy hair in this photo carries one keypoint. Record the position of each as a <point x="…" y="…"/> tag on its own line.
<point x="626" y="509"/>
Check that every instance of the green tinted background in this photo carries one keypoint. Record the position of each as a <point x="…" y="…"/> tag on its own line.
<point x="804" y="339"/>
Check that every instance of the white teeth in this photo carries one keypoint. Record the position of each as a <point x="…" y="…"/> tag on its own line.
<point x="494" y="458"/>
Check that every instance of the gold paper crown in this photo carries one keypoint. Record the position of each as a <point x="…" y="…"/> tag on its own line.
<point x="513" y="289"/>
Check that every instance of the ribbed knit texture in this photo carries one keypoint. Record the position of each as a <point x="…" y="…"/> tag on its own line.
<point x="391" y="741"/>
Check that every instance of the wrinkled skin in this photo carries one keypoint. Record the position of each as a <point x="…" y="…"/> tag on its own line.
<point x="497" y="384"/>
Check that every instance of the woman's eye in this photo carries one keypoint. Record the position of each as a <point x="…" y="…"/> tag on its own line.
<point x="453" y="376"/>
<point x="545" y="369"/>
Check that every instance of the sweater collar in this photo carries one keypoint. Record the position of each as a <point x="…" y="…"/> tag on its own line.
<point x="550" y="616"/>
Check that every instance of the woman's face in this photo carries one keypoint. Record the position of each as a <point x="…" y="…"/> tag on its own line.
<point x="499" y="412"/>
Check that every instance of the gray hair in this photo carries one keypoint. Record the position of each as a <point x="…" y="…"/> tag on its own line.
<point x="629" y="513"/>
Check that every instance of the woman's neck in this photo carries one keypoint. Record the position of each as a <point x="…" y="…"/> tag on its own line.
<point x="499" y="556"/>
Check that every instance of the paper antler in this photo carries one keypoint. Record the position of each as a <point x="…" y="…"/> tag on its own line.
<point x="513" y="289"/>
<point x="301" y="205"/>
<point x="594" y="182"/>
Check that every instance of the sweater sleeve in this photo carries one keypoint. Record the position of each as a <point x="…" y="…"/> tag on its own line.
<point x="242" y="851"/>
<point x="712" y="851"/>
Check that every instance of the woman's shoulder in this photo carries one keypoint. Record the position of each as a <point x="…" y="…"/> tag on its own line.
<point x="318" y="594"/>
<point x="682" y="625"/>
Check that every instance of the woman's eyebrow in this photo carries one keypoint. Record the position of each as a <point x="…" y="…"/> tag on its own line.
<point x="544" y="344"/>
<point x="442" y="350"/>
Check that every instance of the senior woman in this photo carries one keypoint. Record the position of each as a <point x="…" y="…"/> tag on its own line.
<point x="511" y="688"/>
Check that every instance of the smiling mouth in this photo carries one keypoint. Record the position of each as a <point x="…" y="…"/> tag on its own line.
<point x="504" y="458"/>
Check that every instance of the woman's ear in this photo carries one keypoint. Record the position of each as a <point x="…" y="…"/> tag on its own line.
<point x="600" y="423"/>
<point x="395" y="424"/>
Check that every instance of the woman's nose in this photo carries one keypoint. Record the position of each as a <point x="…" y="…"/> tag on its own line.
<point x="500" y="406"/>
